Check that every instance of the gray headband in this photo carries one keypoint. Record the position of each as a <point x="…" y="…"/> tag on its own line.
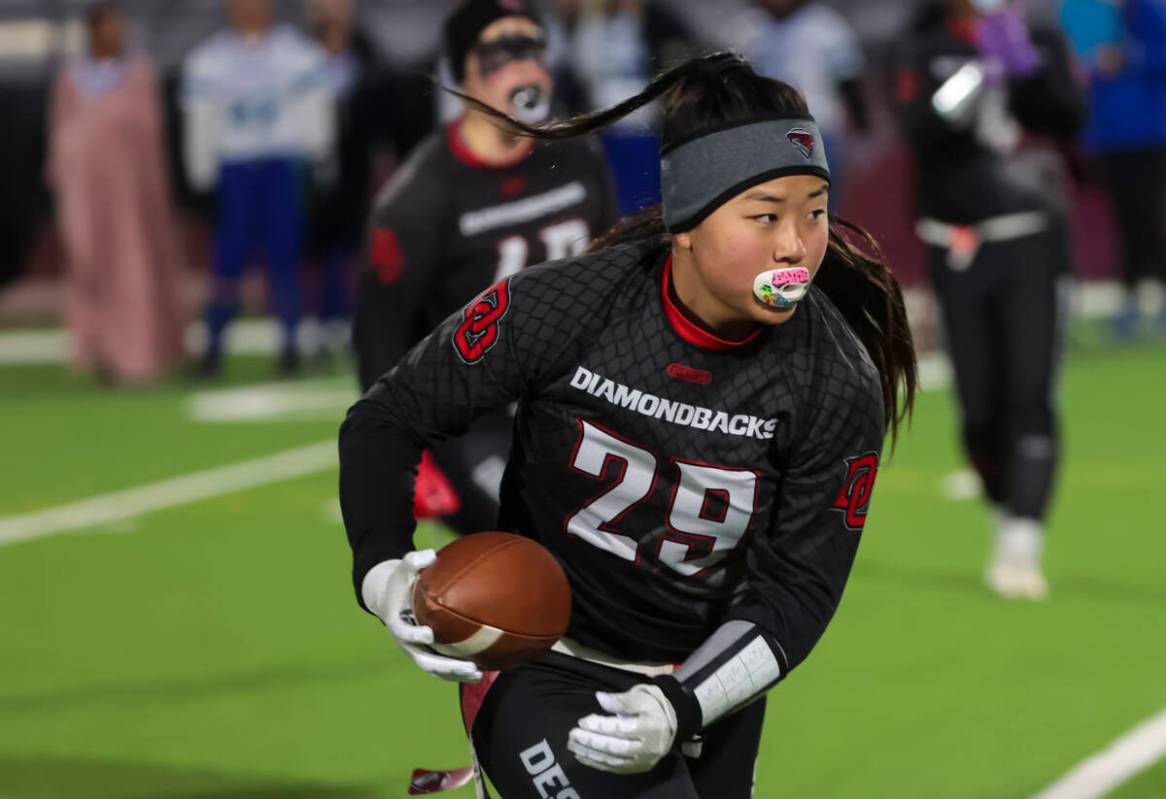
<point x="697" y="175"/>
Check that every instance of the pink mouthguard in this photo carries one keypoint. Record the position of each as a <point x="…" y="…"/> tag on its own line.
<point x="795" y="274"/>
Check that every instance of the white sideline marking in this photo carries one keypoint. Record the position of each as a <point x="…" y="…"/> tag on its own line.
<point x="33" y="346"/>
<point x="121" y="505"/>
<point x="250" y="336"/>
<point x="1135" y="751"/>
<point x="961" y="485"/>
<point x="934" y="371"/>
<point x="325" y="398"/>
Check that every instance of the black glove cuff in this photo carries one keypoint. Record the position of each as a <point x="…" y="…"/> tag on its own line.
<point x="688" y="713"/>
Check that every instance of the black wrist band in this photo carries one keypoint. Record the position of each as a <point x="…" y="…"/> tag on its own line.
<point x="688" y="714"/>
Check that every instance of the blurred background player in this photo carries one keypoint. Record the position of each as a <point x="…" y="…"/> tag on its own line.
<point x="471" y="205"/>
<point x="341" y="185"/>
<point x="1122" y="45"/>
<point x="977" y="92"/>
<point x="256" y="109"/>
<point x="811" y="46"/>
<point x="107" y="167"/>
<point x="691" y="531"/>
<point x="613" y="48"/>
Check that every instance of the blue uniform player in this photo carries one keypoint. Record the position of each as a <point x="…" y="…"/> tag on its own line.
<point x="256" y="109"/>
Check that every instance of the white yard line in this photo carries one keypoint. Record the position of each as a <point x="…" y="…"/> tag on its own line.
<point x="1135" y="751"/>
<point x="33" y="346"/>
<point x="247" y="336"/>
<point x="325" y="398"/>
<point x="121" y="505"/>
<point x="934" y="371"/>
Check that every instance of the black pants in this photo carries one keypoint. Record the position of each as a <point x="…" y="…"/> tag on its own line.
<point x="1136" y="183"/>
<point x="1003" y="322"/>
<point x="520" y="732"/>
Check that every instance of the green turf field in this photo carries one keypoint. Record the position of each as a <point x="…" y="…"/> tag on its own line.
<point x="214" y="650"/>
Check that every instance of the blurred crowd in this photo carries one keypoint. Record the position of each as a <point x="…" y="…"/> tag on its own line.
<point x="291" y="130"/>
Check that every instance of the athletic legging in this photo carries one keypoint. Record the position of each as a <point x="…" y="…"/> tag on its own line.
<point x="1136" y="183"/>
<point x="1003" y="319"/>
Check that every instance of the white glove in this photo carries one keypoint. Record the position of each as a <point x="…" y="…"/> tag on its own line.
<point x="640" y="732"/>
<point x="387" y="591"/>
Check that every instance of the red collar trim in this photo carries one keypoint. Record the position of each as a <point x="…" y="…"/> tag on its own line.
<point x="463" y="153"/>
<point x="689" y="328"/>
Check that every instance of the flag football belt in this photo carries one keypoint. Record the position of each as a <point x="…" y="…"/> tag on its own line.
<point x="700" y="173"/>
<point x="962" y="242"/>
<point x="566" y="646"/>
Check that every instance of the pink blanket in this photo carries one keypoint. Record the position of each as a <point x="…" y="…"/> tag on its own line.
<point x="113" y="208"/>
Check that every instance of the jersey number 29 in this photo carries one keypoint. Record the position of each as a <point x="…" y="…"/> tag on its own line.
<point x="709" y="511"/>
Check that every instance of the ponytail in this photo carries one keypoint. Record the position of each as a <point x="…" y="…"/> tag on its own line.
<point x="691" y="72"/>
<point x="868" y="296"/>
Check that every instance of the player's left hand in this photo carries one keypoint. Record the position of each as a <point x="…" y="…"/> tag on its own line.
<point x="638" y="729"/>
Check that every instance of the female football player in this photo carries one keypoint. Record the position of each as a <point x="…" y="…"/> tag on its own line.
<point x="472" y="204"/>
<point x="984" y="99"/>
<point x="702" y="401"/>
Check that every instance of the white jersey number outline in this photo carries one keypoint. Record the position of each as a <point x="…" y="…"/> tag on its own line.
<point x="708" y="514"/>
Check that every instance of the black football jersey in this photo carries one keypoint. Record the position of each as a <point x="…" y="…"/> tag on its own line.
<point x="965" y="174"/>
<point x="681" y="480"/>
<point x="447" y="226"/>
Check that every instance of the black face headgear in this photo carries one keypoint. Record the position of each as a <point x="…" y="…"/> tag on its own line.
<point x="466" y="24"/>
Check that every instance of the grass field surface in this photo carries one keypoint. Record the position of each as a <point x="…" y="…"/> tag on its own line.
<point x="214" y="649"/>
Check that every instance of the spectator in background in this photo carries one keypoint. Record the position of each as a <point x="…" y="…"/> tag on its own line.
<point x="341" y="192"/>
<point x="256" y="111"/>
<point x="809" y="45"/>
<point x="1122" y="45"/>
<point x="975" y="81"/>
<point x="613" y="48"/>
<point x="107" y="168"/>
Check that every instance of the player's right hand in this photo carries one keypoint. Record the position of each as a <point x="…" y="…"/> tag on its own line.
<point x="388" y="592"/>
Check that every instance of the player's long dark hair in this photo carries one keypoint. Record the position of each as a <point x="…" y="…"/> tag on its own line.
<point x="722" y="88"/>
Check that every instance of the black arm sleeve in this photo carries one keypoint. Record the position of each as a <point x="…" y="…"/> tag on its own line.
<point x="466" y="367"/>
<point x="499" y="349"/>
<point x="1050" y="100"/>
<point x="403" y="255"/>
<point x="915" y="86"/>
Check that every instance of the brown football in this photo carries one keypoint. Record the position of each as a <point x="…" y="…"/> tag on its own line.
<point x="495" y="598"/>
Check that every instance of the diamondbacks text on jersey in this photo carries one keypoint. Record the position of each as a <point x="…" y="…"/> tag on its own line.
<point x="683" y="482"/>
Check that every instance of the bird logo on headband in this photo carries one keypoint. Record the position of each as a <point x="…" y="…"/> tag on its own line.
<point x="802" y="140"/>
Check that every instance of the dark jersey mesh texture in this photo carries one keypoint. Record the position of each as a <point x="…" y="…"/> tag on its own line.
<point x="674" y="504"/>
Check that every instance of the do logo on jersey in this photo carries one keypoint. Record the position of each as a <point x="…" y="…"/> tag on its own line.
<point x="478" y="332"/>
<point x="802" y="140"/>
<point x="854" y="498"/>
